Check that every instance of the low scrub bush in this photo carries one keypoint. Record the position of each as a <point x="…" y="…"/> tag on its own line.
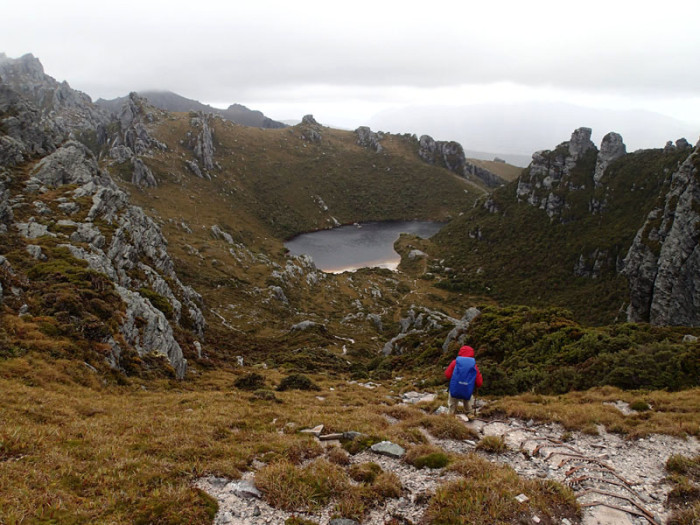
<point x="297" y="382"/>
<point x="427" y="456"/>
<point x="252" y="381"/>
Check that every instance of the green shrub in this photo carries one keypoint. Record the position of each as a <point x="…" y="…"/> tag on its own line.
<point x="158" y="301"/>
<point x="639" y="405"/>
<point x="357" y="445"/>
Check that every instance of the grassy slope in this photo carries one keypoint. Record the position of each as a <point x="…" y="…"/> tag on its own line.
<point x="73" y="450"/>
<point x="525" y="258"/>
<point x="502" y="169"/>
<point x="276" y="177"/>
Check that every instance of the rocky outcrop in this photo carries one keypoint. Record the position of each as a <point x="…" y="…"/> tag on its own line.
<point x="6" y="214"/>
<point x="201" y="141"/>
<point x="133" y="141"/>
<point x="369" y="139"/>
<point x="310" y="129"/>
<point x="64" y="108"/>
<point x="147" y="330"/>
<point x="418" y="320"/>
<point x="134" y="258"/>
<point x="681" y="145"/>
<point x="141" y="174"/>
<point x="73" y="163"/>
<point x="23" y="132"/>
<point x="451" y="156"/>
<point x="459" y="332"/>
<point x="663" y="263"/>
<point x="547" y="181"/>
<point x="612" y="147"/>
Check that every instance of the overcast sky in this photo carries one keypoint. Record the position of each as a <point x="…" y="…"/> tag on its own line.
<point x="346" y="64"/>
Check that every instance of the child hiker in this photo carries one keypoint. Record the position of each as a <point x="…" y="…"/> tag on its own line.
<point x="464" y="377"/>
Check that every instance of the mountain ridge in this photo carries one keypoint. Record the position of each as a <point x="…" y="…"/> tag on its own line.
<point x="171" y="101"/>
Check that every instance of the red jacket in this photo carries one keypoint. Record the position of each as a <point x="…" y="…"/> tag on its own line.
<point x="465" y="351"/>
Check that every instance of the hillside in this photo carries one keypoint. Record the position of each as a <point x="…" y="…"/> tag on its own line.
<point x="561" y="234"/>
<point x="506" y="171"/>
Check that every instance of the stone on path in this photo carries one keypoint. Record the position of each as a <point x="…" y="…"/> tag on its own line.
<point x="387" y="448"/>
<point x="316" y="431"/>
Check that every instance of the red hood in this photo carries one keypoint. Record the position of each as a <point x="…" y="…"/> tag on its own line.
<point x="466" y="351"/>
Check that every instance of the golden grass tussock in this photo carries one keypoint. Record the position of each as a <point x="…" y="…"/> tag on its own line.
<point x="492" y="444"/>
<point x="447" y="427"/>
<point x="293" y="488"/>
<point x="487" y="491"/>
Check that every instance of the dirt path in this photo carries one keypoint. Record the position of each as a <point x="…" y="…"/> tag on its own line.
<point x="617" y="482"/>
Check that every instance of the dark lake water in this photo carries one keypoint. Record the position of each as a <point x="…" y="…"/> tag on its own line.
<point x="348" y="248"/>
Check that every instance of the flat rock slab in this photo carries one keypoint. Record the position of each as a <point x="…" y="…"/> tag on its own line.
<point x="411" y="398"/>
<point x="605" y="516"/>
<point x="316" y="431"/>
<point x="387" y="448"/>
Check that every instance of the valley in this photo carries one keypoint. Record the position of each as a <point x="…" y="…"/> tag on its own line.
<point x="155" y="331"/>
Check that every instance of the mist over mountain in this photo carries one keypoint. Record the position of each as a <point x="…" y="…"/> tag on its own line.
<point x="170" y="101"/>
<point x="521" y="128"/>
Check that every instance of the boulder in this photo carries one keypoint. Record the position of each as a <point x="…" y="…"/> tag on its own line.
<point x="369" y="139"/>
<point x="387" y="448"/>
<point x="72" y="163"/>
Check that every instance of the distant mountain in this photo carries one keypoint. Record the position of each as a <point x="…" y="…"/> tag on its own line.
<point x="170" y="101"/>
<point x="522" y="128"/>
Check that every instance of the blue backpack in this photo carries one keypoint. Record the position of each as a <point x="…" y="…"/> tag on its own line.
<point x="463" y="378"/>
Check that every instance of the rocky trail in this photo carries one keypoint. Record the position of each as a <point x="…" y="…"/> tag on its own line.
<point x="616" y="481"/>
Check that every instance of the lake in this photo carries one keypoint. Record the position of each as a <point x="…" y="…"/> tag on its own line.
<point x="348" y="248"/>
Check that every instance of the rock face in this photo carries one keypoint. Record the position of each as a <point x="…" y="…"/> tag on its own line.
<point x="663" y="263"/>
<point x="612" y="147"/>
<point x="549" y="178"/>
<point x="369" y="139"/>
<point x="451" y="156"/>
<point x="23" y="132"/>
